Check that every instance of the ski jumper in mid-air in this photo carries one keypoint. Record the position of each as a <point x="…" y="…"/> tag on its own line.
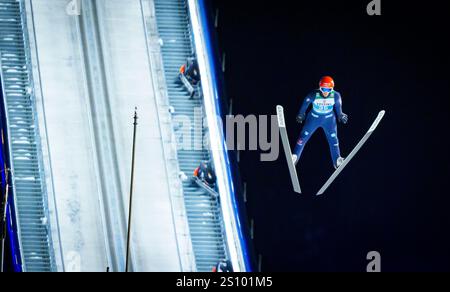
<point x="322" y="108"/>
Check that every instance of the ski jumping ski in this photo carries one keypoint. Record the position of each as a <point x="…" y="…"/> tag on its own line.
<point x="353" y="153"/>
<point x="206" y="187"/>
<point x="287" y="149"/>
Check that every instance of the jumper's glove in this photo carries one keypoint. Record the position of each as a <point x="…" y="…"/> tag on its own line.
<point x="343" y="118"/>
<point x="301" y="119"/>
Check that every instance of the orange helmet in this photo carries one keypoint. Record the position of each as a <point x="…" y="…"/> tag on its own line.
<point x="326" y="82"/>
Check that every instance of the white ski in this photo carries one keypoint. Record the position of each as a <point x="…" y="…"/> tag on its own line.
<point x="206" y="187"/>
<point x="353" y="153"/>
<point x="287" y="149"/>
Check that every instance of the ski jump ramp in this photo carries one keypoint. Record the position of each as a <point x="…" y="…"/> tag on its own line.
<point x="91" y="65"/>
<point x="92" y="71"/>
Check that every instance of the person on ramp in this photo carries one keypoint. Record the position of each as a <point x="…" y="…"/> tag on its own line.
<point x="322" y="108"/>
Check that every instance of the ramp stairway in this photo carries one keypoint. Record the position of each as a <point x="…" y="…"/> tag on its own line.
<point x="25" y="151"/>
<point x="203" y="209"/>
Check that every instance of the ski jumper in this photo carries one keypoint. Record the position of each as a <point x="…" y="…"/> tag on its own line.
<point x="323" y="114"/>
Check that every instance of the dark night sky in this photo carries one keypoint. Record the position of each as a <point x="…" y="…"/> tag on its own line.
<point x="392" y="198"/>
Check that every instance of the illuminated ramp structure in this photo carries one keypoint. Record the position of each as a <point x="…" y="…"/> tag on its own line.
<point x="93" y="70"/>
<point x="72" y="77"/>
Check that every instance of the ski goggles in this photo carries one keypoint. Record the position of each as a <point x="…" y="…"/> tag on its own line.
<point x="326" y="90"/>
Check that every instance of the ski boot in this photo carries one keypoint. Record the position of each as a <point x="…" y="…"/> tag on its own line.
<point x="339" y="162"/>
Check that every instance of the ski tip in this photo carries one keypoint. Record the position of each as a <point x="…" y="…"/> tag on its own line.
<point x="280" y="111"/>
<point x="377" y="121"/>
<point x="280" y="115"/>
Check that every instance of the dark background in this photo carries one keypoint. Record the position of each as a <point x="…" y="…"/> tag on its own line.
<point x="393" y="197"/>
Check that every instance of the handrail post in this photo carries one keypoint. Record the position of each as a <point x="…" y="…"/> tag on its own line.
<point x="131" y="191"/>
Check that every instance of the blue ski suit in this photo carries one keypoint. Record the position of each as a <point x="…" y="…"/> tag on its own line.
<point x="324" y="114"/>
